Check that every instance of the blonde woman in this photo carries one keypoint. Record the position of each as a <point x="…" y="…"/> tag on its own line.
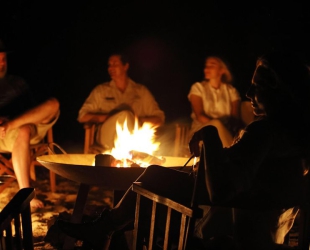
<point x="215" y="101"/>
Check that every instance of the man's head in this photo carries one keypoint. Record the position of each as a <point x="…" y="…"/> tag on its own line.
<point x="280" y="85"/>
<point x="118" y="66"/>
<point x="3" y="60"/>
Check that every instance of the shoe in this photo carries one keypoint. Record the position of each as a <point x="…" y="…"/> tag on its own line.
<point x="96" y="233"/>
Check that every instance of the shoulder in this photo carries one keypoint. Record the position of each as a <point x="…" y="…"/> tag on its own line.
<point x="199" y="84"/>
<point x="198" y="88"/>
<point x="101" y="86"/>
<point x="260" y="124"/>
<point x="231" y="90"/>
<point x="229" y="87"/>
<point x="138" y="86"/>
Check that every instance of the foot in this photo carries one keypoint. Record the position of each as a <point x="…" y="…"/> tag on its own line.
<point x="97" y="233"/>
<point x="36" y="203"/>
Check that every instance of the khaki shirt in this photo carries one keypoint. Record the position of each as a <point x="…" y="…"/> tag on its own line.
<point x="106" y="97"/>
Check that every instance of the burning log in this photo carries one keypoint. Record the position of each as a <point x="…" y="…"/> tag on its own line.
<point x="138" y="159"/>
<point x="141" y="157"/>
<point x="104" y="160"/>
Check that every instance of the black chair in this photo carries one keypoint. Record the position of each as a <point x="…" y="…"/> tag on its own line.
<point x="16" y="217"/>
<point x="180" y="216"/>
<point x="190" y="213"/>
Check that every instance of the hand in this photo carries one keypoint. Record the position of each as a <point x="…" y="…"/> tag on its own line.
<point x="235" y="125"/>
<point x="206" y="133"/>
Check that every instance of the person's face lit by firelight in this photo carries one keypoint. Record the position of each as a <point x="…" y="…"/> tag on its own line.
<point x="261" y="92"/>
<point x="116" y="68"/>
<point x="213" y="69"/>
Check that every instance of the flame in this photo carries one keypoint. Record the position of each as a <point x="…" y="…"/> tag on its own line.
<point x="141" y="139"/>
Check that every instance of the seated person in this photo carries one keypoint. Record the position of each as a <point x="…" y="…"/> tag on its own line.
<point x="215" y="101"/>
<point x="23" y="122"/>
<point x="116" y="101"/>
<point x="261" y="174"/>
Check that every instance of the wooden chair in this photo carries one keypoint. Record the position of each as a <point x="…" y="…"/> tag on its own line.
<point x="16" y="217"/>
<point x="186" y="222"/>
<point x="182" y="130"/>
<point x="181" y="140"/>
<point x="189" y="213"/>
<point x="44" y="147"/>
<point x="89" y="138"/>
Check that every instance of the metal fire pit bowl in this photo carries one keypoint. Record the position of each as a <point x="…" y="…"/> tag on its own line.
<point x="79" y="168"/>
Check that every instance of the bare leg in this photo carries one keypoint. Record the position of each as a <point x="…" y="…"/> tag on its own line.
<point x="21" y="161"/>
<point x="43" y="113"/>
<point x="225" y="136"/>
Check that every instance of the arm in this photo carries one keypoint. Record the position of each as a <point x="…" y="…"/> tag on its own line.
<point x="235" y="109"/>
<point x="93" y="118"/>
<point x="155" y="120"/>
<point x="210" y="157"/>
<point x="197" y="107"/>
<point x="230" y="171"/>
<point x="94" y="108"/>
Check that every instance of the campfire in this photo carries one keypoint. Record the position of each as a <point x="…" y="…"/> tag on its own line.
<point x="135" y="148"/>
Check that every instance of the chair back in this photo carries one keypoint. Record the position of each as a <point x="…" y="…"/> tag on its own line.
<point x="187" y="212"/>
<point x="16" y="217"/>
<point x="172" y="206"/>
<point x="89" y="136"/>
<point x="181" y="140"/>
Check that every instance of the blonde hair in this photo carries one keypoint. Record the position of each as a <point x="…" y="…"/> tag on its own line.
<point x="226" y="76"/>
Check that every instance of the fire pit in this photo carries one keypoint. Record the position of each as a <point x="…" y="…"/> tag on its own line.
<point x="80" y="168"/>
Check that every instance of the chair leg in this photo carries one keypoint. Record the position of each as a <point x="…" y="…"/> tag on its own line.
<point x="6" y="168"/>
<point x="53" y="181"/>
<point x="27" y="228"/>
<point x="32" y="172"/>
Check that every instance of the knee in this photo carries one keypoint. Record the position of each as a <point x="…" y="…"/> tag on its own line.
<point x="53" y="103"/>
<point x="216" y="123"/>
<point x="126" y="115"/>
<point x="24" y="132"/>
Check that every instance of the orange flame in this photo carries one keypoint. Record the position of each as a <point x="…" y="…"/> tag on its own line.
<point x="141" y="139"/>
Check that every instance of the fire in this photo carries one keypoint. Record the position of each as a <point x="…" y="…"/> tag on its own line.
<point x="141" y="139"/>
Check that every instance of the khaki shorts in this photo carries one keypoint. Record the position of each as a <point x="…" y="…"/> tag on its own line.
<point x="38" y="132"/>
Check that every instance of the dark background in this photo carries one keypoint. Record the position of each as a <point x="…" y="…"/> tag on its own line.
<point x="61" y="48"/>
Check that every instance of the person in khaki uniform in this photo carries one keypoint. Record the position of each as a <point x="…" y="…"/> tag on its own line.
<point x="118" y="100"/>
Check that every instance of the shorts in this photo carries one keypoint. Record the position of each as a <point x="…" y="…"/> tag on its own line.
<point x="37" y="134"/>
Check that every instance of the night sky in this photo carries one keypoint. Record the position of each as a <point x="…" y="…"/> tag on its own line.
<point x="61" y="49"/>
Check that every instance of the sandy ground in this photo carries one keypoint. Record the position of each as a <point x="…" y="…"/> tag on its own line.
<point x="60" y="202"/>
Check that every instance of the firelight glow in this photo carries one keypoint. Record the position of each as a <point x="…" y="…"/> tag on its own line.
<point x="141" y="139"/>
